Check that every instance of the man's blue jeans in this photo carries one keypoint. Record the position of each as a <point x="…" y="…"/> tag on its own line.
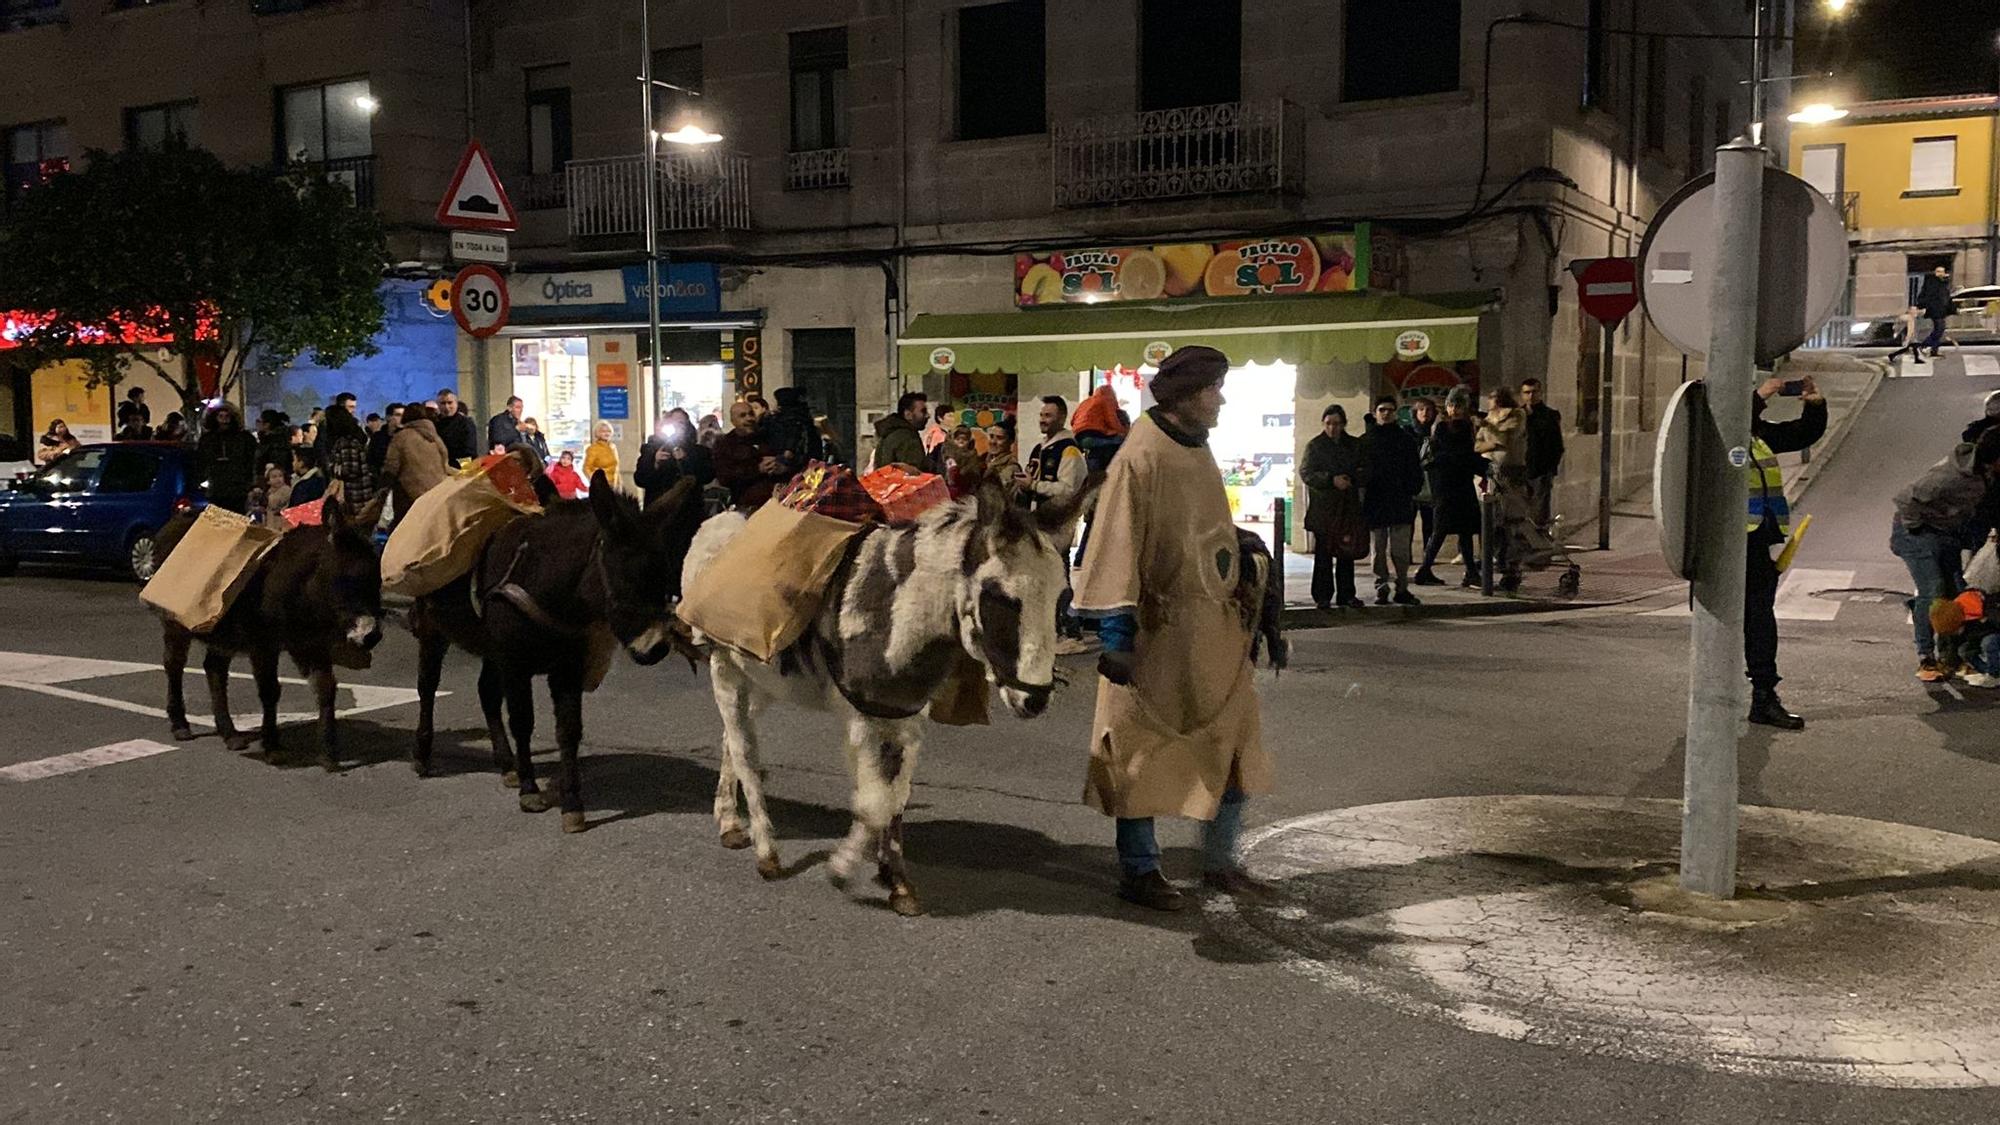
<point x="1139" y="849"/>
<point x="1933" y="559"/>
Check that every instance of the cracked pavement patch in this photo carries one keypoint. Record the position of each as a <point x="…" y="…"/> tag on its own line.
<point x="1856" y="952"/>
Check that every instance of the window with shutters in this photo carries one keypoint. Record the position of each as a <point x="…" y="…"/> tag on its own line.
<point x="1933" y="167"/>
<point x="1002" y="70"/>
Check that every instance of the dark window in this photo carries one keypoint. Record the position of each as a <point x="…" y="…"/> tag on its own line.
<point x="1190" y="53"/>
<point x="549" y="143"/>
<point x="682" y="67"/>
<point x="1002" y="70"/>
<point x="150" y="127"/>
<point x="1698" y="155"/>
<point x="74" y="473"/>
<point x="1596" y="58"/>
<point x="823" y="370"/>
<point x="34" y="153"/>
<point x="1656" y="94"/>
<point x="326" y="122"/>
<point x="1399" y="49"/>
<point x="819" y="89"/>
<point x="126" y="470"/>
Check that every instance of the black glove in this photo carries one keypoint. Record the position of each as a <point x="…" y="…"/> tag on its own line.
<point x="1117" y="667"/>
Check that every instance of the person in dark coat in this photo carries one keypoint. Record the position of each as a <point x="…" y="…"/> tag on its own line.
<point x="456" y="428"/>
<point x="743" y="464"/>
<point x="1332" y="476"/>
<point x="1392" y="474"/>
<point x="380" y="437"/>
<point x="669" y="454"/>
<point x="1545" y="452"/>
<point x="504" y="428"/>
<point x="791" y="434"/>
<point x="1934" y="297"/>
<point x="274" y="443"/>
<point x="1454" y="470"/>
<point x="1423" y="419"/>
<point x="227" y="460"/>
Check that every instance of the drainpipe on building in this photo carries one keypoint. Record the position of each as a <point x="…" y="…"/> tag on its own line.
<point x="1993" y="191"/>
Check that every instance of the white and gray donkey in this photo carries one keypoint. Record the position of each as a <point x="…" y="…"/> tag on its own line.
<point x="978" y="577"/>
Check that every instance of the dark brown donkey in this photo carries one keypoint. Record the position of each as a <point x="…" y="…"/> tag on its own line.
<point x="545" y="590"/>
<point x="317" y="591"/>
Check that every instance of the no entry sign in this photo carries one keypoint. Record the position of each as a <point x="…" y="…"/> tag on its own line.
<point x="1608" y="288"/>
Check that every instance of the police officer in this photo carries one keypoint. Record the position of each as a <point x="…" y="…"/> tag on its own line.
<point x="1770" y="527"/>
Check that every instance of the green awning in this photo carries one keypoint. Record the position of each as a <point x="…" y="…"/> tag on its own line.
<point x="1338" y="327"/>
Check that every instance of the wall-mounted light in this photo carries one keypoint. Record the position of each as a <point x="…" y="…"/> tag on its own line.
<point x="1819" y="113"/>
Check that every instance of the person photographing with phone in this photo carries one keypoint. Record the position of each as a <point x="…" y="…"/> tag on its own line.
<point x="1769" y="523"/>
<point x="670" y="454"/>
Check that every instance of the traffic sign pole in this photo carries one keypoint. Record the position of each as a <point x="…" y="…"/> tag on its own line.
<point x="1606" y="416"/>
<point x="1607" y="290"/>
<point x="1716" y="703"/>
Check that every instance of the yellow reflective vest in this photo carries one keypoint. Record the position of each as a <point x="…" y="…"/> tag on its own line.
<point x="1767" y="488"/>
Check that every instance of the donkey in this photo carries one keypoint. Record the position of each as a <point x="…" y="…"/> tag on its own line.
<point x="976" y="579"/>
<point x="549" y="595"/>
<point x="315" y="595"/>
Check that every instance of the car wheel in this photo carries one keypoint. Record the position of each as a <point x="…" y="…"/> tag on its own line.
<point x="139" y="556"/>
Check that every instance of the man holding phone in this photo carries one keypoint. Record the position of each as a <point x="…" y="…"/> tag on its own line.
<point x="1769" y="523"/>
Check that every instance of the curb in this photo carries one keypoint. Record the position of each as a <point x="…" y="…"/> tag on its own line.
<point x="1310" y="617"/>
<point x="1835" y="436"/>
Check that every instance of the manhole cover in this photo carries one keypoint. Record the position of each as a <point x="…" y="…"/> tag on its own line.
<point x="1874" y="595"/>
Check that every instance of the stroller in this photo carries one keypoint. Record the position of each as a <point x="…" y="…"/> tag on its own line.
<point x="1526" y="546"/>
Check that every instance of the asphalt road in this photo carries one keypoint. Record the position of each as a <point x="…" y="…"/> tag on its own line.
<point x="195" y="935"/>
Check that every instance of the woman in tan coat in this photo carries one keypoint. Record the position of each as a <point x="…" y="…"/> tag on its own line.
<point x="1503" y="440"/>
<point x="417" y="460"/>
<point x="1177" y="729"/>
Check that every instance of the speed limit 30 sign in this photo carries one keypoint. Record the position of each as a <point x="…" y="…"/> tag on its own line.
<point x="479" y="300"/>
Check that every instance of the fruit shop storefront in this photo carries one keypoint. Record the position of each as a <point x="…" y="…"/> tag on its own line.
<point x="1292" y="355"/>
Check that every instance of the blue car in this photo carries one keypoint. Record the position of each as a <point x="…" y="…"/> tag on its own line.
<point x="100" y="506"/>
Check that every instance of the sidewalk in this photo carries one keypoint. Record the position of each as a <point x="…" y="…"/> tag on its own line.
<point x="1632" y="568"/>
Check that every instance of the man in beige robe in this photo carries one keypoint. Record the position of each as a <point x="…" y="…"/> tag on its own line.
<point x="1176" y="732"/>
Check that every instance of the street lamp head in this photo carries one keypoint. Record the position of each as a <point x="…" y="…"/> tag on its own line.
<point x="366" y="103"/>
<point x="1836" y="7"/>
<point x="691" y="134"/>
<point x="1819" y="113"/>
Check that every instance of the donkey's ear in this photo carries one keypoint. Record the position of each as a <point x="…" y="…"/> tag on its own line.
<point x="993" y="501"/>
<point x="611" y="509"/>
<point x="1058" y="514"/>
<point x="332" y="513"/>
<point x="370" y="514"/>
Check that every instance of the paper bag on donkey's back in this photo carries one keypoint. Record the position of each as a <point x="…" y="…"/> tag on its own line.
<point x="765" y="586"/>
<point x="442" y="535"/>
<point x="208" y="568"/>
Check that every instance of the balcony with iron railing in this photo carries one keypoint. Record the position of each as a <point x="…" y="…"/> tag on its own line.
<point x="1849" y="203"/>
<point x="818" y="168"/>
<point x="1226" y="149"/>
<point x="543" y="191"/>
<point x="697" y="191"/>
<point x="356" y="173"/>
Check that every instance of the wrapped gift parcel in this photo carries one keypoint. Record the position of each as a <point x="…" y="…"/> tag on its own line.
<point x="829" y="490"/>
<point x="208" y="568"/>
<point x="904" y="495"/>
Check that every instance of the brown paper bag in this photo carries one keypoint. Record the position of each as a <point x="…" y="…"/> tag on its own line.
<point x="208" y="568"/>
<point x="440" y="539"/>
<point x="765" y="586"/>
<point x="963" y="699"/>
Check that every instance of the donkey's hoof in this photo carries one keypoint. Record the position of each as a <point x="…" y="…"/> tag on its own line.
<point x="423" y="769"/>
<point x="769" y="867"/>
<point x="535" y="802"/>
<point x="905" y="902"/>
<point x="183" y="733"/>
<point x="574" y="822"/>
<point x="510" y="780"/>
<point x="735" y="839"/>
<point x="329" y="763"/>
<point x="239" y="742"/>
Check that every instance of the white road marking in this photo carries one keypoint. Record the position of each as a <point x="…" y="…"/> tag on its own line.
<point x="1795" y="600"/>
<point x="1981" y="365"/>
<point x="83" y="759"/>
<point x="43" y="674"/>
<point x="1905" y="369"/>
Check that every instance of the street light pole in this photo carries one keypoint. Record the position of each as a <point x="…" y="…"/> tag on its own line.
<point x="649" y="192"/>
<point x="1716" y="703"/>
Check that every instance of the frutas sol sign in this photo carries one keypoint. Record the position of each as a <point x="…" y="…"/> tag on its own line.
<point x="1284" y="266"/>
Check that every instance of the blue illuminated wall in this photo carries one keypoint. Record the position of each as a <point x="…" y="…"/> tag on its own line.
<point x="419" y="355"/>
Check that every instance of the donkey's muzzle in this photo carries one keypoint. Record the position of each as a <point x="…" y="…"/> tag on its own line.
<point x="1026" y="702"/>
<point x="365" y="633"/>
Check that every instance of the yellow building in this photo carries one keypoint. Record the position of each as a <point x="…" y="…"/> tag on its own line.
<point x="1915" y="179"/>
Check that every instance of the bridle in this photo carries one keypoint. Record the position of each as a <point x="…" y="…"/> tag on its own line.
<point x="607" y="607"/>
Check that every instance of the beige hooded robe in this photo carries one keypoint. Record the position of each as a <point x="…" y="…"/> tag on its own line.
<point x="1162" y="545"/>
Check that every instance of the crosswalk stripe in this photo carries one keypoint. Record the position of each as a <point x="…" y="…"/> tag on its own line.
<point x="1981" y="365"/>
<point x="1795" y="601"/>
<point x="83" y="759"/>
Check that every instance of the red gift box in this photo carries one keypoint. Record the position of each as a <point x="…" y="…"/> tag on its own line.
<point x="308" y="514"/>
<point x="904" y="495"/>
<point x="830" y="490"/>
